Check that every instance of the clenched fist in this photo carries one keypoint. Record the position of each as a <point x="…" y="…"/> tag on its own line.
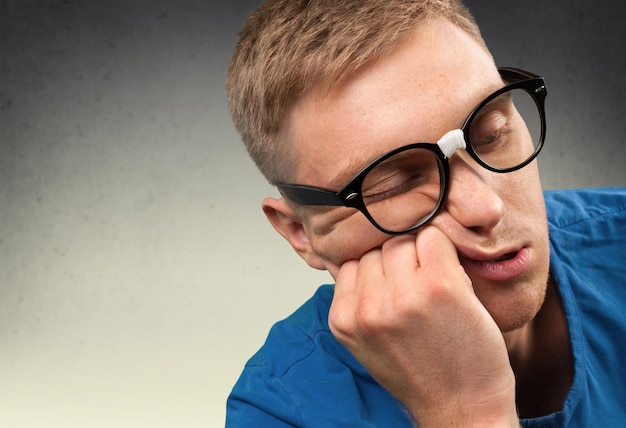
<point x="407" y="311"/>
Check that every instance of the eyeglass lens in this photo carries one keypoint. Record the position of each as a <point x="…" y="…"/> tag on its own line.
<point x="506" y="132"/>
<point x="404" y="190"/>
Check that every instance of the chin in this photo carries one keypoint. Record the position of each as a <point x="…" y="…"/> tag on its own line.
<point x="514" y="306"/>
<point x="517" y="320"/>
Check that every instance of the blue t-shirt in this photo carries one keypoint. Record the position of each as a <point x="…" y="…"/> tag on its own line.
<point x="303" y="377"/>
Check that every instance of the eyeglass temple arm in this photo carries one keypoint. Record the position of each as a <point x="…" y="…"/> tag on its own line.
<point x="314" y="196"/>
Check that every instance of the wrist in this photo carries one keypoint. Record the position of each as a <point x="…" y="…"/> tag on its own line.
<point x="464" y="420"/>
<point x="487" y="411"/>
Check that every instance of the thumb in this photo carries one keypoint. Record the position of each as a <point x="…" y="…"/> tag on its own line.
<point x="437" y="253"/>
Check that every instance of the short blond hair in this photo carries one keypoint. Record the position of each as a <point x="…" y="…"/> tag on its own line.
<point x="288" y="46"/>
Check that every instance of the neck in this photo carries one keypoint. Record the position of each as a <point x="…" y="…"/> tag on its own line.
<point x="541" y="358"/>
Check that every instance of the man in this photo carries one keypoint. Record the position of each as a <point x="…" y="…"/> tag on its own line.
<point x="406" y="162"/>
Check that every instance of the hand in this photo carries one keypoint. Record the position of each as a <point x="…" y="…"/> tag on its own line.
<point x="408" y="313"/>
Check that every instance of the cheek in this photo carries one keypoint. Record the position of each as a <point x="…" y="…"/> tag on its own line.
<point x="341" y="236"/>
<point x="522" y="192"/>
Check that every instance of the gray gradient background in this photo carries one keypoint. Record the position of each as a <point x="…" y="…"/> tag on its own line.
<point x="137" y="272"/>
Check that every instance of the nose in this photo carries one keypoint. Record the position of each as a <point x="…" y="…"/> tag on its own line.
<point x="472" y="199"/>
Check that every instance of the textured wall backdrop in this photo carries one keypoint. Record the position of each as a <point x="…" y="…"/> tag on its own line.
<point x="137" y="273"/>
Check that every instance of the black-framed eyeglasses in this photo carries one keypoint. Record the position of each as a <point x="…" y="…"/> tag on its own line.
<point x="404" y="189"/>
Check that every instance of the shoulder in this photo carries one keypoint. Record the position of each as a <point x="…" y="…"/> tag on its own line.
<point x="263" y="395"/>
<point x="570" y="207"/>
<point x="587" y="239"/>
<point x="300" y="369"/>
<point x="292" y="340"/>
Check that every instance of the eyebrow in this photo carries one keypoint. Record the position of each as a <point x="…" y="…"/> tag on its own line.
<point x="343" y="177"/>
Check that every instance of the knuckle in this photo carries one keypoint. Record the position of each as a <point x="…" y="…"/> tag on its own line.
<point x="339" y="322"/>
<point x="368" y="315"/>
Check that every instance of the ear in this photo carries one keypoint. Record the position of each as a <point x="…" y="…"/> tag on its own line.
<point x="289" y="224"/>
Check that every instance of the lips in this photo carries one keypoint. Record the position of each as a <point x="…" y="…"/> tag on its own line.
<point x="504" y="266"/>
<point x="504" y="257"/>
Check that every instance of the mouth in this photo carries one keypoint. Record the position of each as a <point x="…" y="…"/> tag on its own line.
<point x="502" y="267"/>
<point x="504" y="257"/>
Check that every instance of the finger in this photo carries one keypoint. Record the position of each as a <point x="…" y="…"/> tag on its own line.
<point x="345" y="281"/>
<point x="436" y="250"/>
<point x="430" y="257"/>
<point x="343" y="318"/>
<point x="360" y="297"/>
<point x="373" y="291"/>
<point x="400" y="257"/>
<point x="438" y="255"/>
<point x="370" y="270"/>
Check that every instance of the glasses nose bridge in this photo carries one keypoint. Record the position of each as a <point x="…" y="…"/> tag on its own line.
<point x="451" y="142"/>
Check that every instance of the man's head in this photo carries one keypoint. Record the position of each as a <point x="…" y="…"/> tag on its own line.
<point x="289" y="46"/>
<point x="417" y="83"/>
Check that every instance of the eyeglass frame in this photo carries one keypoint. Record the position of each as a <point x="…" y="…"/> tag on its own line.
<point x="350" y="194"/>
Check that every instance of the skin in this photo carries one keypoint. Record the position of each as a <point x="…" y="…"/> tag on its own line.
<point x="432" y="315"/>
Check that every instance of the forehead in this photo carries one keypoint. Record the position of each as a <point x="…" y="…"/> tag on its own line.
<point x="424" y="87"/>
